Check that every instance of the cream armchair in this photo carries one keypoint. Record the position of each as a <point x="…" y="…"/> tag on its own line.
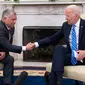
<point x="72" y="72"/>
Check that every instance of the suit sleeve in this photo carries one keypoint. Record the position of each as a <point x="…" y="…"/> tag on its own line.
<point x="51" y="40"/>
<point x="5" y="45"/>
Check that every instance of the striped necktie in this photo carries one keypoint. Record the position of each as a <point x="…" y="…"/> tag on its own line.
<point x="74" y="46"/>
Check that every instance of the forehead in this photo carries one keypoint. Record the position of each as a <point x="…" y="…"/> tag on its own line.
<point x="68" y="10"/>
<point x="12" y="16"/>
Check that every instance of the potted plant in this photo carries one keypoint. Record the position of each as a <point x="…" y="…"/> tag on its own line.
<point x="16" y="0"/>
<point x="13" y="0"/>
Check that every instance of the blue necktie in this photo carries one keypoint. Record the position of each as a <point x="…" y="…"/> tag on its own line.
<point x="74" y="46"/>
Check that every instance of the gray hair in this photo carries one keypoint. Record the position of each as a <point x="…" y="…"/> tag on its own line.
<point x="75" y="9"/>
<point x="6" y="12"/>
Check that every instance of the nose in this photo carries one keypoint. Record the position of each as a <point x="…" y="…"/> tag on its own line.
<point x="66" y="18"/>
<point x="14" y="21"/>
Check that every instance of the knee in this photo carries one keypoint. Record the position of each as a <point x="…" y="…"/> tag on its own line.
<point x="11" y="59"/>
<point x="59" y="47"/>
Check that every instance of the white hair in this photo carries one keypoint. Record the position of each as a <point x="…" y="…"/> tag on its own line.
<point x="75" y="9"/>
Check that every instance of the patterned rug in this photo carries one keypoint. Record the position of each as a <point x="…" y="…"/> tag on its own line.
<point x="32" y="71"/>
<point x="35" y="76"/>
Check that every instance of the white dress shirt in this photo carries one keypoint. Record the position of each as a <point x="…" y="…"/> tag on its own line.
<point x="77" y="33"/>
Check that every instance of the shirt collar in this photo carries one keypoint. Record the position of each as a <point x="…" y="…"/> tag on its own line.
<point x="7" y="27"/>
<point x="78" y="22"/>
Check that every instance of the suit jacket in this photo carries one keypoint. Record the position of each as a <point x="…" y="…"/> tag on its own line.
<point x="5" y="44"/>
<point x="64" y="33"/>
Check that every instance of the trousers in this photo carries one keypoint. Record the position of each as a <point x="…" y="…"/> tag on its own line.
<point x="8" y="68"/>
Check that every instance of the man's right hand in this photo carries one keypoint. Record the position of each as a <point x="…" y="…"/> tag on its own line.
<point x="2" y="55"/>
<point x="30" y="46"/>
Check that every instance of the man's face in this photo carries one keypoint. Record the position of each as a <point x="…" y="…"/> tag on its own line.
<point x="10" y="20"/>
<point x="70" y="17"/>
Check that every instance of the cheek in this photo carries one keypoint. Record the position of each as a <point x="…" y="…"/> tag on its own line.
<point x="9" y="21"/>
<point x="70" y="19"/>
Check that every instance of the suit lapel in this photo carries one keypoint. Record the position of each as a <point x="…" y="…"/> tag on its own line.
<point x="6" y="30"/>
<point x="80" y="30"/>
<point x="68" y="31"/>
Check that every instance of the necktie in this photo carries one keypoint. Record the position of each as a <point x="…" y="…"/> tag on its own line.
<point x="74" y="46"/>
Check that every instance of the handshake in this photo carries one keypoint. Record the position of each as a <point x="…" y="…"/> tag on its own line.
<point x="30" y="46"/>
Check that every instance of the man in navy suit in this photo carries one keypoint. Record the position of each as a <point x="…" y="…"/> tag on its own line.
<point x="6" y="36"/>
<point x="62" y="56"/>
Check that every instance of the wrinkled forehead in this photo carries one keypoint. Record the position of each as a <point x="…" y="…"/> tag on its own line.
<point x="12" y="15"/>
<point x="68" y="10"/>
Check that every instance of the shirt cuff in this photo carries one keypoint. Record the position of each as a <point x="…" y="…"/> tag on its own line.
<point x="23" y="48"/>
<point x="36" y="44"/>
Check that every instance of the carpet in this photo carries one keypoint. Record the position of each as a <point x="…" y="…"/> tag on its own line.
<point x="32" y="71"/>
<point x="35" y="76"/>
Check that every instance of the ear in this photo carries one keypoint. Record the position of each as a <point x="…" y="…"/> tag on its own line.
<point x="5" y="17"/>
<point x="76" y="15"/>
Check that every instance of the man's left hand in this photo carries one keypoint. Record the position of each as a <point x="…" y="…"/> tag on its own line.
<point x="81" y="54"/>
<point x="2" y="55"/>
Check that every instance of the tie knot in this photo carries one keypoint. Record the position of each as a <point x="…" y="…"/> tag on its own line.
<point x="74" y="26"/>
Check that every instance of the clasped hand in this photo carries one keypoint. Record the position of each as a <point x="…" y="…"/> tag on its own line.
<point x="30" y="46"/>
<point x="2" y="55"/>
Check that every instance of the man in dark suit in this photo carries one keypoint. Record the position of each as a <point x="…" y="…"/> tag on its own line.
<point x="63" y="56"/>
<point x="6" y="36"/>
